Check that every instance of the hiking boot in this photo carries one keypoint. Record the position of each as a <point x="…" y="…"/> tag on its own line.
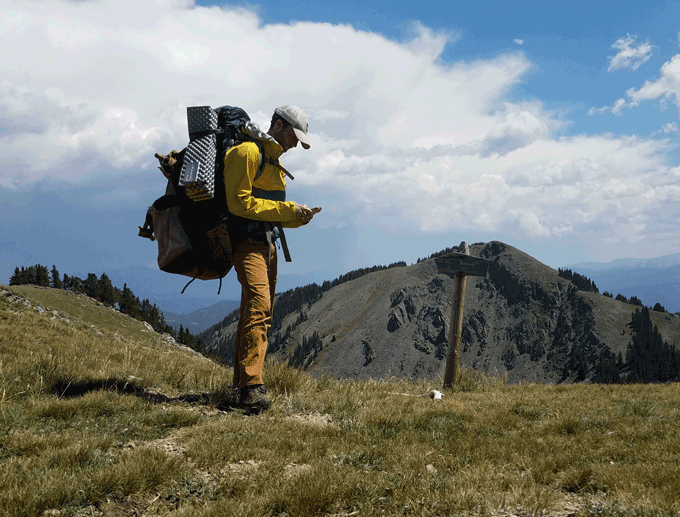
<point x="253" y="400"/>
<point x="229" y="402"/>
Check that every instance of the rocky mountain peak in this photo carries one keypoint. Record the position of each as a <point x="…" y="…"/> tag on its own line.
<point x="522" y="320"/>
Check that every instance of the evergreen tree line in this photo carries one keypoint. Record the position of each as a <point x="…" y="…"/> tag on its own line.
<point x="101" y="289"/>
<point x="581" y="282"/>
<point x="357" y="273"/>
<point x="634" y="300"/>
<point x="648" y="357"/>
<point x="307" y="351"/>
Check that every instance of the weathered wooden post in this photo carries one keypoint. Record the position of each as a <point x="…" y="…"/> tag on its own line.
<point x="458" y="266"/>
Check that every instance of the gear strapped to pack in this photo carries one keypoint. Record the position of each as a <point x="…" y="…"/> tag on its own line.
<point x="189" y="222"/>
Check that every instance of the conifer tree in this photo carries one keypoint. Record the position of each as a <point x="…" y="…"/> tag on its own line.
<point x="104" y="291"/>
<point x="648" y="357"/>
<point x="27" y="275"/>
<point x="90" y="285"/>
<point x="659" y="308"/>
<point x="126" y="303"/>
<point x="608" y="369"/>
<point x="117" y="294"/>
<point x="56" y="281"/>
<point x="16" y="279"/>
<point x="155" y="318"/>
<point x="634" y="300"/>
<point x="77" y="285"/>
<point x="145" y="309"/>
<point x="41" y="276"/>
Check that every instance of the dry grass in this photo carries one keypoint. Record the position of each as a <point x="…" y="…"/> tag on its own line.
<point x="100" y="421"/>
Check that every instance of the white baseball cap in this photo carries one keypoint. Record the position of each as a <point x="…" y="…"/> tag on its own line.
<point x="296" y="118"/>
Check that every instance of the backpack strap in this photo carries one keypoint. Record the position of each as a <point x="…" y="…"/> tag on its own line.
<point x="279" y="227"/>
<point x="270" y="161"/>
<point x="276" y="163"/>
<point x="284" y="244"/>
<point x="260" y="167"/>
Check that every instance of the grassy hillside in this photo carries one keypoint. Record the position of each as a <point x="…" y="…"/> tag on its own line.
<point x="100" y="416"/>
<point x="522" y="319"/>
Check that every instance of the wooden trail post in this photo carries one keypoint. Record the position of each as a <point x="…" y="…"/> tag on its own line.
<point x="458" y="266"/>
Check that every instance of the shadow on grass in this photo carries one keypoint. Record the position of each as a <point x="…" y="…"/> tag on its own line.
<point x="224" y="400"/>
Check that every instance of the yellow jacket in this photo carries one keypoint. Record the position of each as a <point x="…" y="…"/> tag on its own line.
<point x="260" y="199"/>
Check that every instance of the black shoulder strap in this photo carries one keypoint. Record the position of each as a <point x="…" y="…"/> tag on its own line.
<point x="260" y="168"/>
<point x="270" y="161"/>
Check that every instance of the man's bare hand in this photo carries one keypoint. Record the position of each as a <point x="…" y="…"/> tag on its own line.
<point x="305" y="214"/>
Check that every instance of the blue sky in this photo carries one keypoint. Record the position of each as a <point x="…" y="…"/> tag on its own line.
<point x="551" y="126"/>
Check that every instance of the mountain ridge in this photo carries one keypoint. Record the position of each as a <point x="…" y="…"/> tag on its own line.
<point x="650" y="284"/>
<point x="523" y="320"/>
<point x="662" y="261"/>
<point x="203" y="318"/>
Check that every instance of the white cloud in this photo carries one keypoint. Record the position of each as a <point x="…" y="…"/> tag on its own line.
<point x="429" y="42"/>
<point x="629" y="56"/>
<point x="519" y="41"/>
<point x="123" y="82"/>
<point x="599" y="111"/>
<point x="671" y="127"/>
<point x="666" y="88"/>
<point x="86" y="89"/>
<point x="517" y="126"/>
<point x="618" y="106"/>
<point x="548" y="187"/>
<point x="530" y="222"/>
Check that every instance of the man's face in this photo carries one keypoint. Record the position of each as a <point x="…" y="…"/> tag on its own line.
<point x="285" y="136"/>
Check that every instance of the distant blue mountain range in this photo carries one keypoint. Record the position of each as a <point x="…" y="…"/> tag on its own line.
<point x="655" y="280"/>
<point x="663" y="262"/>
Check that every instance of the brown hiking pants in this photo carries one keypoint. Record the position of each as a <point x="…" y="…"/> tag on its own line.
<point x="257" y="276"/>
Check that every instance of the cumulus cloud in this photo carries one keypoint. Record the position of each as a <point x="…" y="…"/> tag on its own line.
<point x="517" y="126"/>
<point x="629" y="56"/>
<point x="546" y="188"/>
<point x="666" y="88"/>
<point x="86" y="90"/>
<point x="87" y="78"/>
<point x="519" y="41"/>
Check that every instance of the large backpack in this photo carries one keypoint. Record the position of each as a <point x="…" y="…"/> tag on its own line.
<point x="190" y="221"/>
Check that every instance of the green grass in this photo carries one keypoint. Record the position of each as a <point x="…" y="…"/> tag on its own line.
<point x="116" y="421"/>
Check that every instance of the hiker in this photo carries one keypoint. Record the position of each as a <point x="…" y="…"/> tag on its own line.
<point x="259" y="209"/>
